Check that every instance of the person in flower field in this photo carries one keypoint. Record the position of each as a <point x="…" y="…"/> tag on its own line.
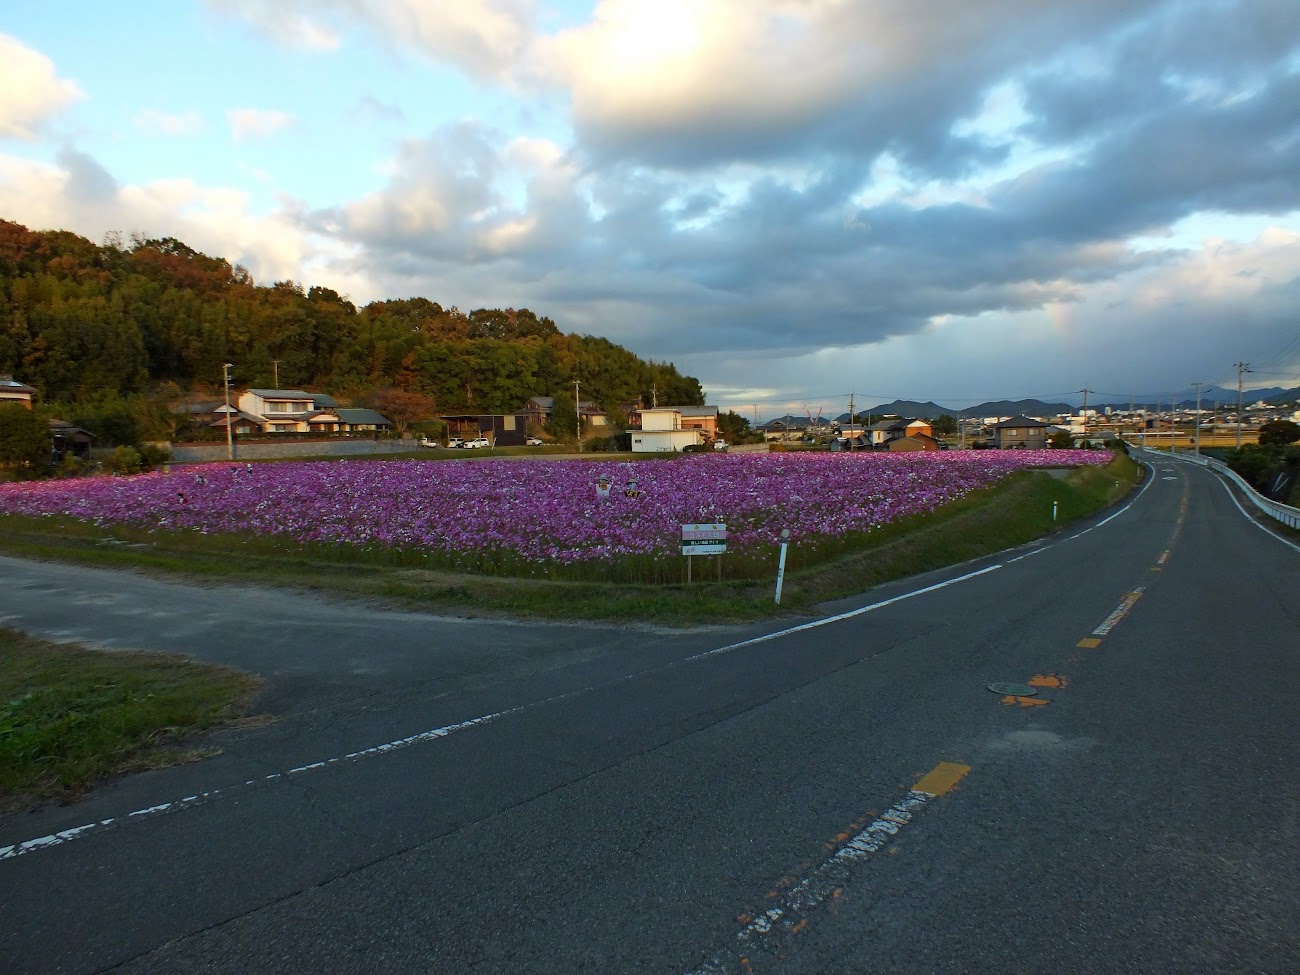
<point x="631" y="490"/>
<point x="602" y="488"/>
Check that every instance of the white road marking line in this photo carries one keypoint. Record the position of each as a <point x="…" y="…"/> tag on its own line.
<point x="77" y="832"/>
<point x="790" y="915"/>
<point x="1257" y="524"/>
<point x="842" y="616"/>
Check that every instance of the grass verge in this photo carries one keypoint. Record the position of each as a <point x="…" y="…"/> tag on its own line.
<point x="1015" y="511"/>
<point x="71" y="716"/>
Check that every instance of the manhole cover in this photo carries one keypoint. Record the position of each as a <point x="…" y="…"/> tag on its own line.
<point x="1014" y="690"/>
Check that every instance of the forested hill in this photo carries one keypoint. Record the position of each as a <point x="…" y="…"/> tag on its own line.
<point x="87" y="323"/>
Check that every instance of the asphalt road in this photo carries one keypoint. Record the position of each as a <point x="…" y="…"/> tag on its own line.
<point x="455" y="796"/>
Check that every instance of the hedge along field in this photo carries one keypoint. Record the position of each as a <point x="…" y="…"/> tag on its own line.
<point x="544" y="519"/>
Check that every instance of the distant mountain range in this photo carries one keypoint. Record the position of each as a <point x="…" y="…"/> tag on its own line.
<point x="1004" y="407"/>
<point x="1275" y="395"/>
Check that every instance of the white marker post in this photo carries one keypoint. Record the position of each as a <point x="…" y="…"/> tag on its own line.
<point x="1053" y="511"/>
<point x="780" y="566"/>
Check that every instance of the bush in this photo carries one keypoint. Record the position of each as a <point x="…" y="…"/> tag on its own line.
<point x="152" y="455"/>
<point x="617" y="442"/>
<point x="25" y="442"/>
<point x="1254" y="462"/>
<point x="73" y="466"/>
<point x="124" y="460"/>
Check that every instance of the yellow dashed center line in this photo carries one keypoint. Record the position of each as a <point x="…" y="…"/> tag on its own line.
<point x="941" y="778"/>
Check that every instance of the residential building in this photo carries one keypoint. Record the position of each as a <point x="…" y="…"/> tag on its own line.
<point x="285" y="411"/>
<point x="893" y="428"/>
<point x="538" y="410"/>
<point x="281" y="410"/>
<point x="1022" y="432"/>
<point x="662" y="431"/>
<point x="12" y="391"/>
<point x="913" y="442"/>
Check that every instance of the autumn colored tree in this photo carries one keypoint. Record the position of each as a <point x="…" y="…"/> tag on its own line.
<point x="96" y="326"/>
<point x="403" y="407"/>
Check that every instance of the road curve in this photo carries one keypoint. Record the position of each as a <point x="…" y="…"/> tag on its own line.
<point x="450" y="796"/>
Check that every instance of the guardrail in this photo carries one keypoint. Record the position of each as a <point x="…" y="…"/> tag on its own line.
<point x="1274" y="509"/>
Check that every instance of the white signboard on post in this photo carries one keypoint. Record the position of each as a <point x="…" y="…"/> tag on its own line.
<point x="704" y="539"/>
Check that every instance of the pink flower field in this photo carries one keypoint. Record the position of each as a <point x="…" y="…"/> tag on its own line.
<point x="533" y="514"/>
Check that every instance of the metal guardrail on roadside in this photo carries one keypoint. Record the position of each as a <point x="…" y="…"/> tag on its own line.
<point x="1274" y="509"/>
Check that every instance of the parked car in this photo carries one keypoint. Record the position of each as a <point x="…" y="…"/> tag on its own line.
<point x="455" y="442"/>
<point x="720" y="445"/>
<point x="426" y="442"/>
<point x="477" y="442"/>
<point x="534" y="442"/>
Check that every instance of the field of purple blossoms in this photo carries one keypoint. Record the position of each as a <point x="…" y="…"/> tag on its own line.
<point x="537" y="518"/>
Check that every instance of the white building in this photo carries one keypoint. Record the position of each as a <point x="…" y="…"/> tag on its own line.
<point x="661" y="433"/>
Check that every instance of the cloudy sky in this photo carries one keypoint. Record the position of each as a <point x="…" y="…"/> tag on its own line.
<point x="791" y="199"/>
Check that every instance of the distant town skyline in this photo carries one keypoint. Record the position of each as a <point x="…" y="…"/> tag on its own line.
<point x="941" y="201"/>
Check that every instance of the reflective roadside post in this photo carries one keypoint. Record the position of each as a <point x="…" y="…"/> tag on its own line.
<point x="780" y="566"/>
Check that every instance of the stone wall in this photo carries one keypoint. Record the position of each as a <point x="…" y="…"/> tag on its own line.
<point x="195" y="453"/>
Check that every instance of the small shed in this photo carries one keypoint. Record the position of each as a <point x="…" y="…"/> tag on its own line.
<point x="67" y="439"/>
<point x="500" y="429"/>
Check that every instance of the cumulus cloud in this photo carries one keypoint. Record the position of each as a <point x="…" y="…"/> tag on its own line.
<point x="152" y="122"/>
<point x="483" y="38"/>
<point x="33" y="92"/>
<point x="77" y="193"/>
<point x="256" y="123"/>
<point x="283" y="23"/>
<point x="467" y="194"/>
<point x="681" y="83"/>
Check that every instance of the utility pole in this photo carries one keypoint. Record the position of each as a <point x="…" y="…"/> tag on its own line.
<point x="230" y="436"/>
<point x="577" y="409"/>
<point x="1197" y="447"/>
<point x="850" y="409"/>
<point x="1085" y="392"/>
<point x="275" y="365"/>
<point x="1241" y="367"/>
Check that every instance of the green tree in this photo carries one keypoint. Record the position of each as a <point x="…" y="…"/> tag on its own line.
<point x="1279" y="432"/>
<point x="564" y="417"/>
<point x="1061" y="440"/>
<point x="944" y="425"/>
<point x="25" y="441"/>
<point x="732" y="427"/>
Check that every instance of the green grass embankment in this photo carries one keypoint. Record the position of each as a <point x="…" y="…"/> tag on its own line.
<point x="70" y="716"/>
<point x="1015" y="511"/>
